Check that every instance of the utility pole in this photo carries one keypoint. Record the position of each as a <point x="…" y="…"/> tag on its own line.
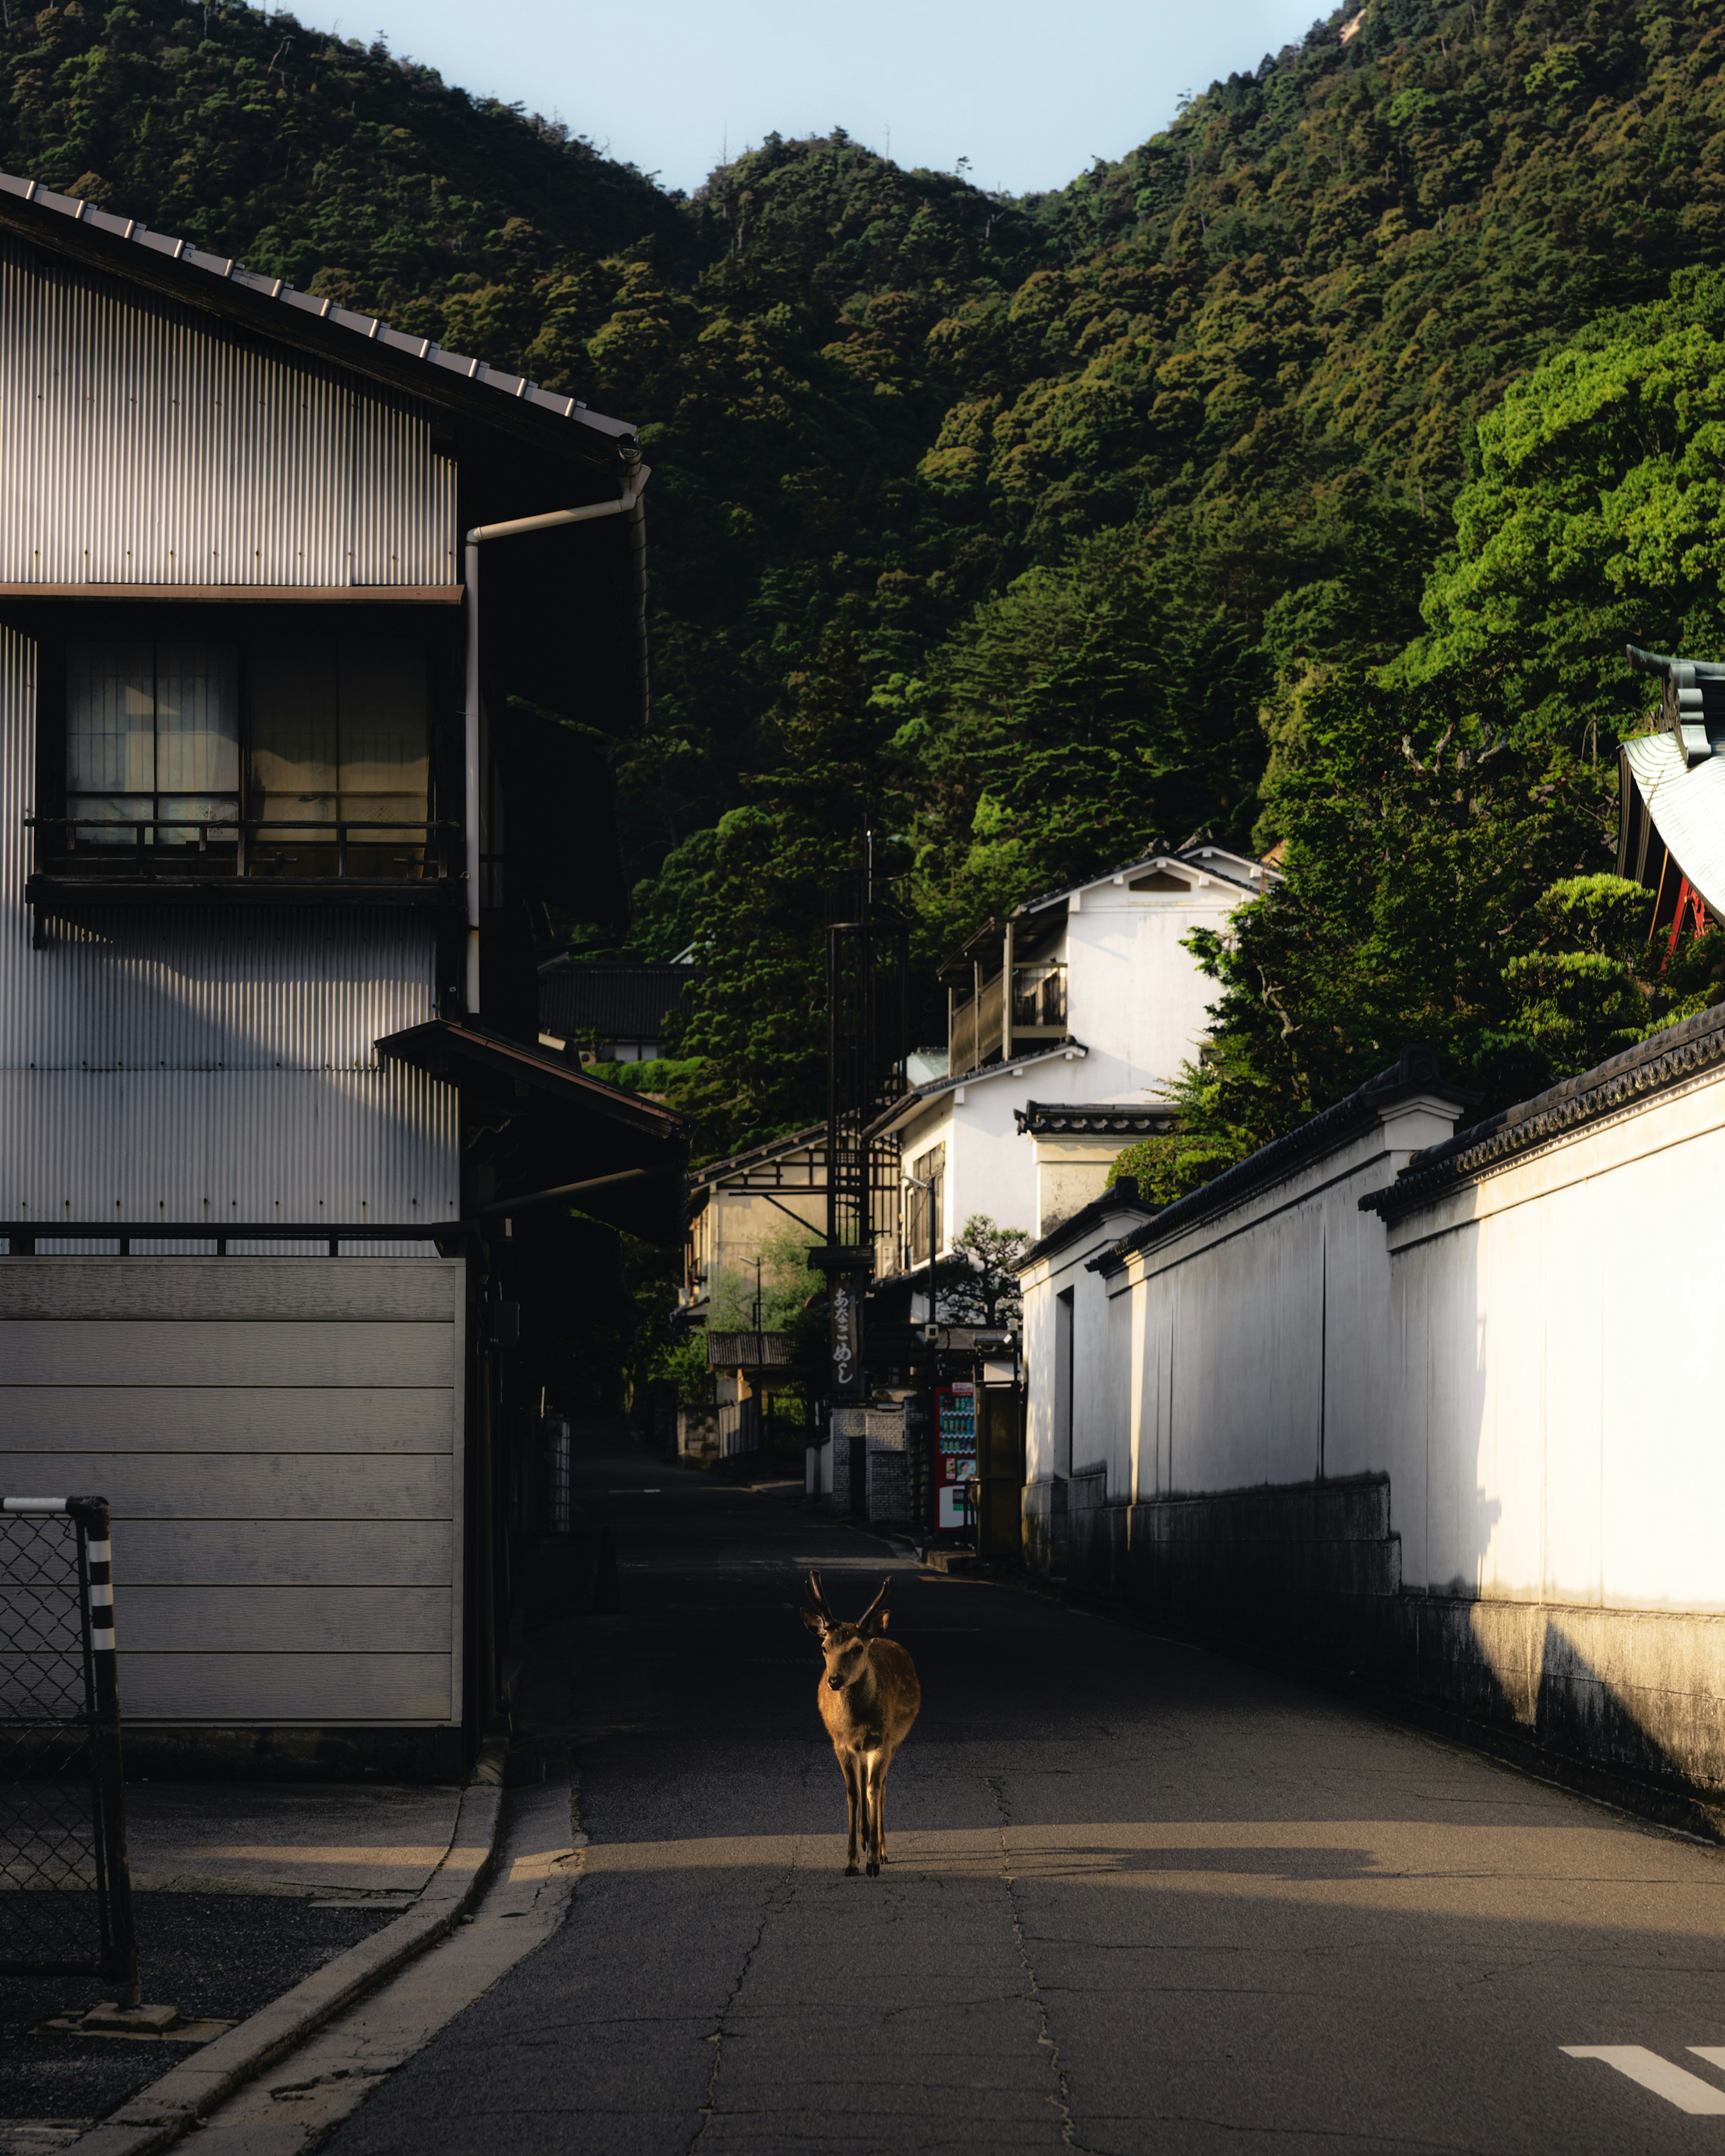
<point x="867" y="957"/>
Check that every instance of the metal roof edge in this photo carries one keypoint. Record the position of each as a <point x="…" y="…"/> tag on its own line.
<point x="1666" y="1058"/>
<point x="791" y="1142"/>
<point x="1186" y="856"/>
<point x="419" y="1044"/>
<point x="360" y="343"/>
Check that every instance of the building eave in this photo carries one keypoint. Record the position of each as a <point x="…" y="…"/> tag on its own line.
<point x="907" y="1106"/>
<point x="358" y="344"/>
<point x="738" y="1163"/>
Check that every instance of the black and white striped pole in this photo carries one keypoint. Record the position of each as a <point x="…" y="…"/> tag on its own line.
<point x="89" y="1516"/>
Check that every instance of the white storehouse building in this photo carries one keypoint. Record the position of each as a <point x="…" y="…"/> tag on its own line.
<point x="1064" y="1023"/>
<point x="282" y="1163"/>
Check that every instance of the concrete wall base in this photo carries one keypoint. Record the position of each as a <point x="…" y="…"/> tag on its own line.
<point x="1310" y="1574"/>
<point x="352" y="1753"/>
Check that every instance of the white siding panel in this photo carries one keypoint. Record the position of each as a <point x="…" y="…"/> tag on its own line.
<point x="225" y="1287"/>
<point x="191" y="990"/>
<point x="285" y="1488"/>
<point x="277" y="1486"/>
<point x="288" y="1619"/>
<point x="287" y="1553"/>
<point x="208" y="1066"/>
<point x="227" y="1689"/>
<point x="98" y="1351"/>
<point x="223" y="1417"/>
<point x="228" y="1147"/>
<point x="145" y="447"/>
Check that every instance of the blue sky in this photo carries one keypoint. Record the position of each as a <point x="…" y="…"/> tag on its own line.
<point x="1029" y="93"/>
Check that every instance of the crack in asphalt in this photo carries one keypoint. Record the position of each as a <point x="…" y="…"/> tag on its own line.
<point x="1060" y="2096"/>
<point x="779" y="1897"/>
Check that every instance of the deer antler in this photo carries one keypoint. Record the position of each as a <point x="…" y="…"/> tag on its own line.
<point x="818" y="1600"/>
<point x="866" y="1624"/>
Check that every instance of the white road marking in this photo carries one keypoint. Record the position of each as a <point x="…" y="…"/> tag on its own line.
<point x="1714" y="2053"/>
<point x="1687" y="2090"/>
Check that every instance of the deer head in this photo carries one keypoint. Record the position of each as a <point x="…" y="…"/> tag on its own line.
<point x="845" y="1646"/>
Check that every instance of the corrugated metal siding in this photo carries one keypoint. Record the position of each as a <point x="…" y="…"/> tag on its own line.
<point x="219" y="1065"/>
<point x="226" y="1146"/>
<point x="249" y="990"/>
<point x="142" y="447"/>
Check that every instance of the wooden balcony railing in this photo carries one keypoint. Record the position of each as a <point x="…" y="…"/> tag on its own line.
<point x="1039" y="1013"/>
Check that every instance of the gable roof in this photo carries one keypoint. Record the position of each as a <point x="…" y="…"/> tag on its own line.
<point x="358" y="343"/>
<point x="739" y="1163"/>
<point x="1250" y="877"/>
<point x="1115" y="1203"/>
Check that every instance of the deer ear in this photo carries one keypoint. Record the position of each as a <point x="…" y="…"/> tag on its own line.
<point x="873" y="1621"/>
<point x="813" y="1620"/>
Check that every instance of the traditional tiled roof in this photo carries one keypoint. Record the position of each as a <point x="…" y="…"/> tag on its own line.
<point x="1655" y="1065"/>
<point x="617" y="1003"/>
<point x="1415" y="1071"/>
<point x="1123" y="1119"/>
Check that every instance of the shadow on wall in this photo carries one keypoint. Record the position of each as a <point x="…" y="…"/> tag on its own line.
<point x="1628" y="1704"/>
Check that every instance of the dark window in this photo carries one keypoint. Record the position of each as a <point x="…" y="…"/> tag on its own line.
<point x="337" y="735"/>
<point x="923" y="1211"/>
<point x="152" y="735"/>
<point x="315" y="748"/>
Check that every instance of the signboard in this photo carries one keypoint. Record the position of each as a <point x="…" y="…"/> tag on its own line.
<point x="955" y="1461"/>
<point x="844" y="1301"/>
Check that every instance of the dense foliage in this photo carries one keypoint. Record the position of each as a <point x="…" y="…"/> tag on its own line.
<point x="992" y="527"/>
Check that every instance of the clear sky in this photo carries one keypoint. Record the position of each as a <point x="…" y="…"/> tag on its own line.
<point x="1030" y="93"/>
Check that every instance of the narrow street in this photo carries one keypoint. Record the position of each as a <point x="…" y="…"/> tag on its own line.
<point x="1140" y="1896"/>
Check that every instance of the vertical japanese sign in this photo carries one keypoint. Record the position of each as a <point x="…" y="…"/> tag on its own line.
<point x="845" y="1305"/>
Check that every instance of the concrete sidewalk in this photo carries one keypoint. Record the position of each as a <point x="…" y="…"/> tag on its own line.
<point x="262" y="1838"/>
<point x="267" y="1906"/>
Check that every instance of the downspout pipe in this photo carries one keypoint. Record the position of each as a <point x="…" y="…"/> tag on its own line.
<point x="627" y="504"/>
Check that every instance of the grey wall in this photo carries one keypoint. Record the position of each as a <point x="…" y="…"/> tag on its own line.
<point x="281" y="1441"/>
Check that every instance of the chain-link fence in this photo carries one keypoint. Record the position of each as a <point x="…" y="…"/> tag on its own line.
<point x="65" y="1892"/>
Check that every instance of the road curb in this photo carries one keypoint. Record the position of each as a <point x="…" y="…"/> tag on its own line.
<point x="157" y="2116"/>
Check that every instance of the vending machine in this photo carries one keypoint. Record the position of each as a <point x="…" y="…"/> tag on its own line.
<point x="955" y="1461"/>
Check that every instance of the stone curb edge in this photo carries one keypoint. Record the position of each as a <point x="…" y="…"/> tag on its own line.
<point x="159" y="2115"/>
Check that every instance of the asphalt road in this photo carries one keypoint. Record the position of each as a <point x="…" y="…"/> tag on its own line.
<point x="1140" y="1897"/>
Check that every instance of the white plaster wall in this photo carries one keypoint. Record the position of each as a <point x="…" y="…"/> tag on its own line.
<point x="1103" y="1367"/>
<point x="1136" y="998"/>
<point x="1531" y="1359"/>
<point x="990" y="1169"/>
<point x="1555" y="1388"/>
<point x="1262" y="1348"/>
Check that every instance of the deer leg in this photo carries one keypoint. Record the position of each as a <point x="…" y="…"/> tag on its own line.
<point x="876" y="1777"/>
<point x="854" y="1794"/>
<point x="881" y="1809"/>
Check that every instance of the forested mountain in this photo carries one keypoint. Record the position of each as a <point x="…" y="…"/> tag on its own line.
<point x="1021" y="532"/>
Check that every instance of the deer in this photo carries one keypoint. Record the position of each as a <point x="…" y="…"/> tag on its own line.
<point x="868" y="1698"/>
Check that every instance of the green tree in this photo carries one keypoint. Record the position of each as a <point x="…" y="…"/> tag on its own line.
<point x="976" y="1284"/>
